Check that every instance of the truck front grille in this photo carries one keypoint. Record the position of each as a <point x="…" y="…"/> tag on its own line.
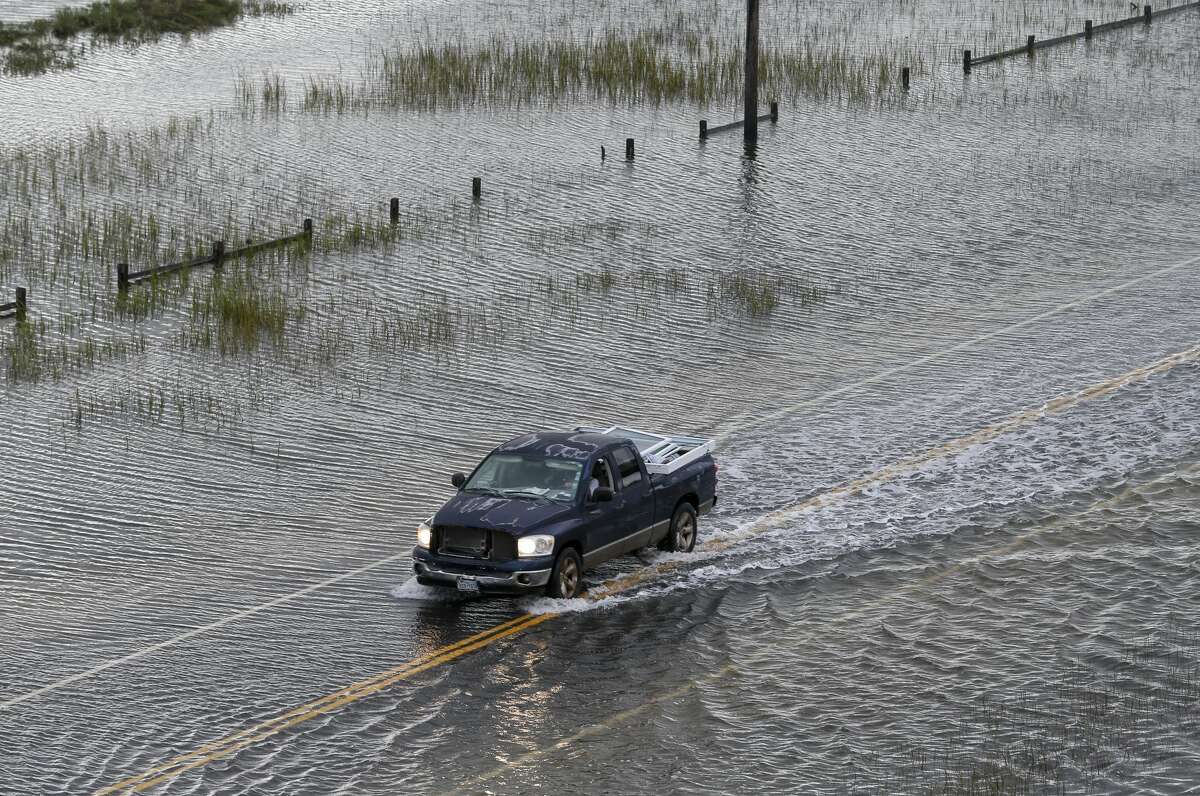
<point x="455" y="540"/>
<point x="504" y="546"/>
<point x="458" y="540"/>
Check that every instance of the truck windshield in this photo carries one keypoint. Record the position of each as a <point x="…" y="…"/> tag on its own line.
<point x="534" y="477"/>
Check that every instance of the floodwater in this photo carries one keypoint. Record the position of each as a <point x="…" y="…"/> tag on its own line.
<point x="1017" y="603"/>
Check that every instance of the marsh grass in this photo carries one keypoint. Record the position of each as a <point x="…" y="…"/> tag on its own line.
<point x="197" y="407"/>
<point x="33" y="57"/>
<point x="151" y="298"/>
<point x="24" y="360"/>
<point x="237" y="313"/>
<point x="32" y="355"/>
<point x="758" y="293"/>
<point x="431" y="324"/>
<point x="143" y="20"/>
<point x="72" y="208"/>
<point x="42" y="44"/>
<point x="617" y="67"/>
<point x="551" y="236"/>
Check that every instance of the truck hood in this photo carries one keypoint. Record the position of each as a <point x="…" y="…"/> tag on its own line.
<point x="513" y="515"/>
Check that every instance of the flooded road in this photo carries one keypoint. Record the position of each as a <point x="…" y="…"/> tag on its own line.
<point x="960" y="454"/>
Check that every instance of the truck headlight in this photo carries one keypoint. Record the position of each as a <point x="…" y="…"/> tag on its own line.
<point x="424" y="535"/>
<point x="533" y="546"/>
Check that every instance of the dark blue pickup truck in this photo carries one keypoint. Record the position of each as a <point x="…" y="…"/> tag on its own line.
<point x="541" y="509"/>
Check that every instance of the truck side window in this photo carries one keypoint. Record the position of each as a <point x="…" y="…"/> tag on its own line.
<point x="627" y="466"/>
<point x="600" y="477"/>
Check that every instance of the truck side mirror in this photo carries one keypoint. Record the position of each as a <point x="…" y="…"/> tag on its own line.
<point x="602" y="494"/>
<point x="458" y="479"/>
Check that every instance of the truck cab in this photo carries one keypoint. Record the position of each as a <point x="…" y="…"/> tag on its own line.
<point x="541" y="509"/>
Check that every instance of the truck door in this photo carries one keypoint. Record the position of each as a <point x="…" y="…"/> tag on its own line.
<point x="638" y="496"/>
<point x="605" y="521"/>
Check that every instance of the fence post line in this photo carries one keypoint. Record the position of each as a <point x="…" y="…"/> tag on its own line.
<point x="394" y="210"/>
<point x="122" y="276"/>
<point x="21" y="305"/>
<point x="703" y="129"/>
<point x="1087" y="29"/>
<point x="904" y="78"/>
<point x="1029" y="45"/>
<point x="774" y="111"/>
<point x="629" y="149"/>
<point x="476" y="187"/>
<point x="218" y="255"/>
<point x="966" y="62"/>
<point x="307" y="228"/>
<point x="1146" y="12"/>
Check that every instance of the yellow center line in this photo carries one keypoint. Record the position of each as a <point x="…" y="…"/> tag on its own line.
<point x="352" y="693"/>
<point x="230" y="744"/>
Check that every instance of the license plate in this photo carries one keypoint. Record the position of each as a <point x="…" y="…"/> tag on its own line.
<point x="468" y="584"/>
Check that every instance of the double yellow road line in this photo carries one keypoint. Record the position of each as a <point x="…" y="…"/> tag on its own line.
<point x="231" y="744"/>
<point x="240" y="740"/>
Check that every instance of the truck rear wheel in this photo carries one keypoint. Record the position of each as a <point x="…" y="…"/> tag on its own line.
<point x="566" y="579"/>
<point x="682" y="536"/>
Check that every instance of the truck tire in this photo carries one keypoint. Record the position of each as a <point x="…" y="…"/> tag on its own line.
<point x="682" y="536"/>
<point x="566" y="579"/>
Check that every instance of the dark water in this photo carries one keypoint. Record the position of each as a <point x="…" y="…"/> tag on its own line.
<point x="982" y="248"/>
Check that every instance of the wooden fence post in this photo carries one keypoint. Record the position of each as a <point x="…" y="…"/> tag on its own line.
<point x="218" y="255"/>
<point x="904" y="78"/>
<point x="394" y="210"/>
<point x="750" y="95"/>
<point x="1087" y="29"/>
<point x="476" y="187"/>
<point x="703" y="129"/>
<point x="307" y="228"/>
<point x="774" y="112"/>
<point x="122" y="276"/>
<point x="1029" y="45"/>
<point x="21" y="304"/>
<point x="1146" y="13"/>
<point x="629" y="149"/>
<point x="966" y="62"/>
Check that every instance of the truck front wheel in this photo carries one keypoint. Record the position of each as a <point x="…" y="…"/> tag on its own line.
<point x="682" y="536"/>
<point x="566" y="579"/>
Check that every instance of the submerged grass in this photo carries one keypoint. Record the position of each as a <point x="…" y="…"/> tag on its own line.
<point x="759" y="293"/>
<point x="237" y="314"/>
<point x="32" y="357"/>
<point x="647" y="66"/>
<point x="199" y="407"/>
<point x="41" y="45"/>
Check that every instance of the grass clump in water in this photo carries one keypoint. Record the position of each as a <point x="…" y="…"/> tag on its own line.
<point x="617" y="67"/>
<point x="236" y="315"/>
<point x="143" y="20"/>
<point x="33" y="357"/>
<point x="39" y="46"/>
<point x="24" y="362"/>
<point x="758" y="294"/>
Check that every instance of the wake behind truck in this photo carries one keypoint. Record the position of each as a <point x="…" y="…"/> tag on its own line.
<point x="543" y="508"/>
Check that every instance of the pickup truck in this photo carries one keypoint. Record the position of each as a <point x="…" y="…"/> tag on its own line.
<point x="543" y="508"/>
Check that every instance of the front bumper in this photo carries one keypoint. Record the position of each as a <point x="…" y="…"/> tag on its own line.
<point x="434" y="570"/>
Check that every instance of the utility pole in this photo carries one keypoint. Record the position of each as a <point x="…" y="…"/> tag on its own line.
<point x="750" y="126"/>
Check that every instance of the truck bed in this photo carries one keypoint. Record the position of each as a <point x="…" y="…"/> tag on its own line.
<point x="662" y="453"/>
